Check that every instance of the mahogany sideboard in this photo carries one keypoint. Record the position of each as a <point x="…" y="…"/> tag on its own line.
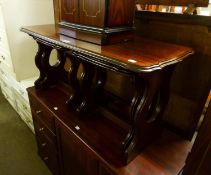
<point x="83" y="128"/>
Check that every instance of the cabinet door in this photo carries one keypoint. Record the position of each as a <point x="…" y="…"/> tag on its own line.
<point x="92" y="12"/>
<point x="75" y="156"/>
<point x="69" y="11"/>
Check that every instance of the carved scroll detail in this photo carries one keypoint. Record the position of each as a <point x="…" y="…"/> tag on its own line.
<point x="48" y="74"/>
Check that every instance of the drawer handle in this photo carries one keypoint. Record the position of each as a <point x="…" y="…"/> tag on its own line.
<point x="44" y="144"/>
<point x="38" y="112"/>
<point x="41" y="129"/>
<point x="45" y="158"/>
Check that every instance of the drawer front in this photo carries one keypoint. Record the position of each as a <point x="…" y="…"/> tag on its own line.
<point x="49" y="155"/>
<point x="22" y="104"/>
<point x="6" y="66"/>
<point x="40" y="112"/>
<point x="42" y="132"/>
<point x="46" y="142"/>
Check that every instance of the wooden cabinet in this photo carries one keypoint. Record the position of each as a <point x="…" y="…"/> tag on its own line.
<point x="85" y="12"/>
<point x="98" y="13"/>
<point x="69" y="11"/>
<point x="66" y="152"/>
<point x="75" y="154"/>
<point x="97" y="132"/>
<point x="100" y="17"/>
<point x="44" y="127"/>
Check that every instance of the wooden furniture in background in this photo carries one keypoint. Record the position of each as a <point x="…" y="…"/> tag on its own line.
<point x="191" y="80"/>
<point x="101" y="21"/>
<point x="168" y="6"/>
<point x="100" y="125"/>
<point x="197" y="3"/>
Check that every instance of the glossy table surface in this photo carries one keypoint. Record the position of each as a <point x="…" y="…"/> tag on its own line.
<point x="138" y="55"/>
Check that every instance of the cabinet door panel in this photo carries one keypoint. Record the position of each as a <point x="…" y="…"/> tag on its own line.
<point x="121" y="13"/>
<point x="76" y="157"/>
<point x="92" y="12"/>
<point x="69" y="11"/>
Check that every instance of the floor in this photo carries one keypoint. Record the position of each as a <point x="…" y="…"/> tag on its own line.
<point x="18" y="151"/>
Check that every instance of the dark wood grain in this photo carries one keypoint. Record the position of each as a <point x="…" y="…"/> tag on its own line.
<point x="57" y="15"/>
<point x="75" y="154"/>
<point x="139" y="127"/>
<point x="197" y="3"/>
<point x="166" y="155"/>
<point x="140" y="55"/>
<point x="69" y="11"/>
<point x="198" y="161"/>
<point x="107" y="20"/>
<point x="191" y="80"/>
<point x="92" y="12"/>
<point x="44" y="125"/>
<point x="121" y="13"/>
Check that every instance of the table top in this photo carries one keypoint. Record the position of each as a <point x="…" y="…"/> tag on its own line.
<point x="138" y="55"/>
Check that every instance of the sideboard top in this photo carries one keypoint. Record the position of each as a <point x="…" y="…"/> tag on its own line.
<point x="139" y="55"/>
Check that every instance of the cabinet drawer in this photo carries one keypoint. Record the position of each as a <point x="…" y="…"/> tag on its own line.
<point x="40" y="112"/>
<point x="22" y="104"/>
<point x="42" y="132"/>
<point x="49" y="156"/>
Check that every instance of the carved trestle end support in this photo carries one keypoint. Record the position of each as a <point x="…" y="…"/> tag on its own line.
<point x="146" y="109"/>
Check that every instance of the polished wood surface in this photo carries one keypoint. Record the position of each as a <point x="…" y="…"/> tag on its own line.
<point x="98" y="13"/>
<point x="116" y="135"/>
<point x="166" y="155"/>
<point x="57" y="15"/>
<point x="121" y="13"/>
<point x="140" y="55"/>
<point x="198" y="161"/>
<point x="45" y="132"/>
<point x="104" y="19"/>
<point x="191" y="80"/>
<point x="69" y="10"/>
<point x="197" y="3"/>
<point x="92" y="12"/>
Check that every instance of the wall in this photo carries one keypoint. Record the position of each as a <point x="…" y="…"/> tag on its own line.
<point x="18" y="13"/>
